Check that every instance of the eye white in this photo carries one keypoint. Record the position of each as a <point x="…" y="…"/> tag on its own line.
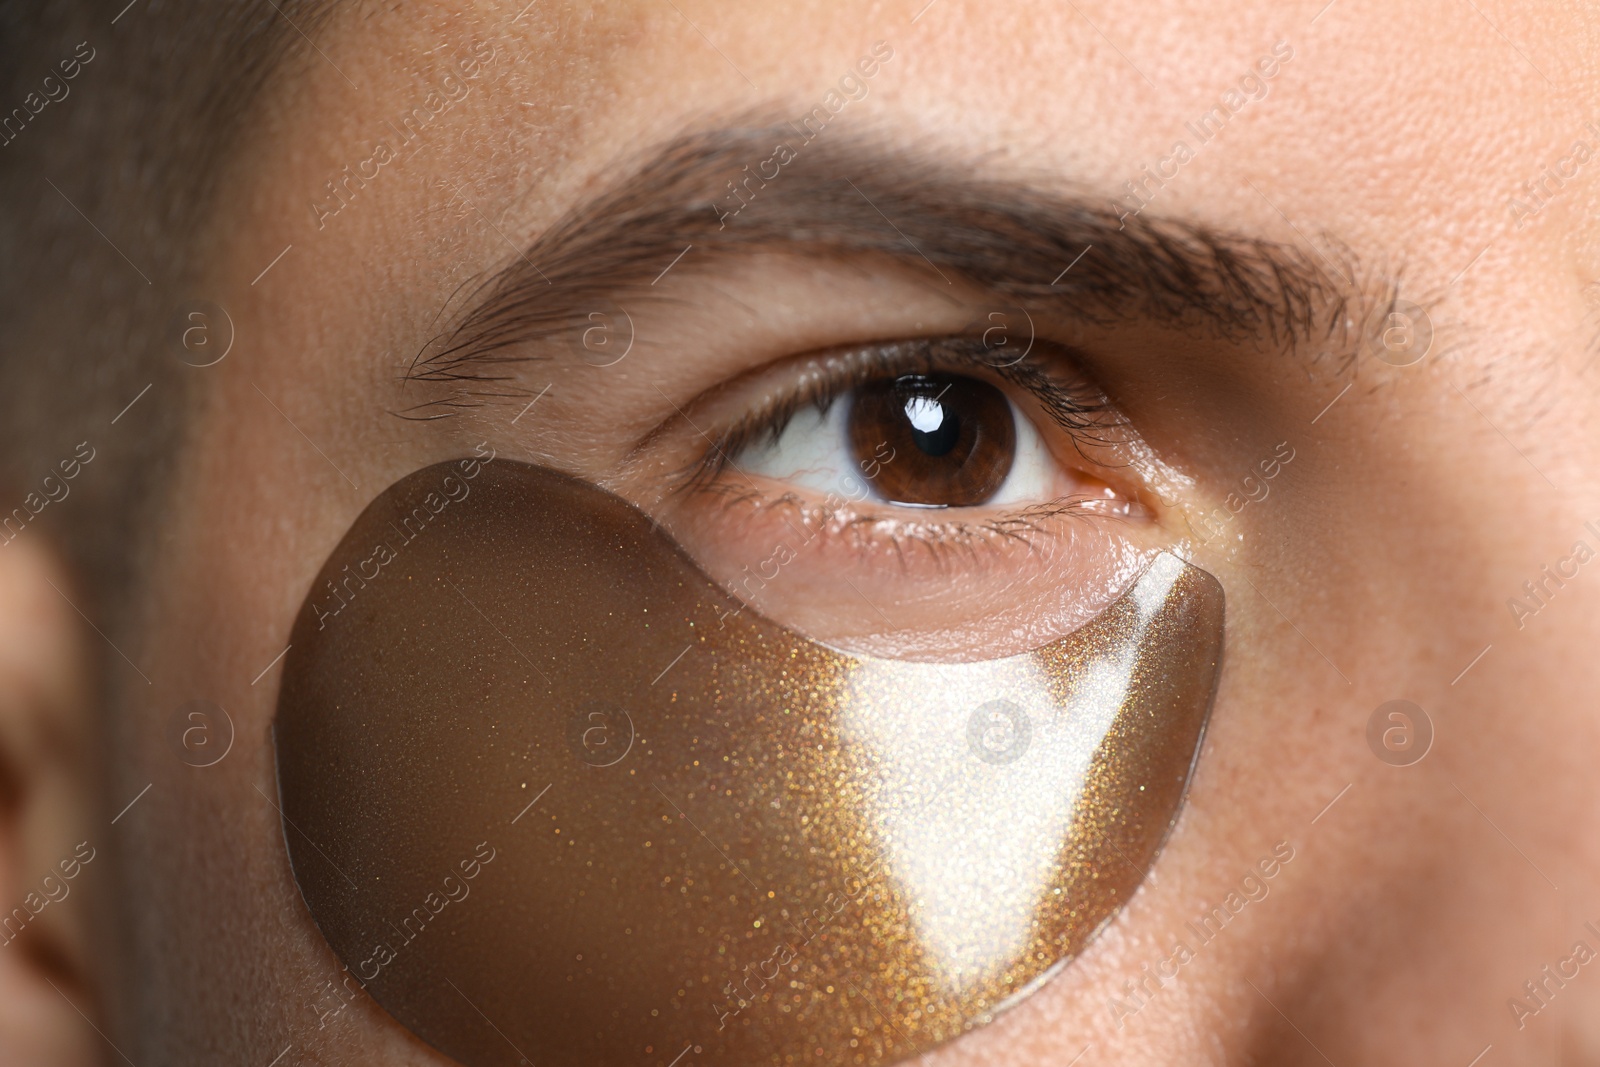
<point x="814" y="452"/>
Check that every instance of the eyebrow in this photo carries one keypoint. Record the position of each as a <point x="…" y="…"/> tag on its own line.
<point x="741" y="191"/>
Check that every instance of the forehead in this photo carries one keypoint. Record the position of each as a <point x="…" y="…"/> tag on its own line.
<point x="1413" y="147"/>
<point x="1089" y="87"/>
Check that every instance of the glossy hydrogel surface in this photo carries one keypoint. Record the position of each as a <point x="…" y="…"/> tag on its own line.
<point x="552" y="798"/>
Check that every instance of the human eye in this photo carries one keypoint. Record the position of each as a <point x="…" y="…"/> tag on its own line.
<point x="902" y="472"/>
<point x="894" y="427"/>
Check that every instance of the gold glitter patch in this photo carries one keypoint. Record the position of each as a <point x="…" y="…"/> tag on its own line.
<point x="551" y="803"/>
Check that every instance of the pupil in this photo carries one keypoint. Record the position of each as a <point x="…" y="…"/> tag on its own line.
<point x="934" y="429"/>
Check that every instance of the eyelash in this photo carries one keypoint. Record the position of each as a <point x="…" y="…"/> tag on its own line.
<point x="1081" y="412"/>
<point x="941" y="539"/>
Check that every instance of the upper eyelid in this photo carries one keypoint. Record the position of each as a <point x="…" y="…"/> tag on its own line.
<point x="1002" y="235"/>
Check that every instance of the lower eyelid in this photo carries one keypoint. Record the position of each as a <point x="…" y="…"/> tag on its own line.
<point x="868" y="576"/>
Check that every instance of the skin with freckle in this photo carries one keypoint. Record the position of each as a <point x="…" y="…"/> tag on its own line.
<point x="550" y="793"/>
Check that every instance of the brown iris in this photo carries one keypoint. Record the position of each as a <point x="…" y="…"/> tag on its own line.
<point x="952" y="438"/>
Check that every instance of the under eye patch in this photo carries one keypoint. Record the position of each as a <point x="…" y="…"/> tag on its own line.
<point x="550" y="801"/>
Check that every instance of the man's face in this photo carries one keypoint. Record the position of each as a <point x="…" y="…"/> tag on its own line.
<point x="1379" y="442"/>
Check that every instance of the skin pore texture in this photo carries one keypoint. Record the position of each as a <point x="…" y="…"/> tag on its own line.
<point x="1408" y="907"/>
<point x="917" y="843"/>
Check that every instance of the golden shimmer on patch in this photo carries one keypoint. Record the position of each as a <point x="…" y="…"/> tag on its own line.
<point x="551" y="802"/>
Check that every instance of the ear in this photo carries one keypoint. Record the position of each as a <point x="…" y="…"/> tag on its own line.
<point x="45" y="798"/>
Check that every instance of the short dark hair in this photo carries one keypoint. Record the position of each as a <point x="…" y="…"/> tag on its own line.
<point x="107" y="177"/>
